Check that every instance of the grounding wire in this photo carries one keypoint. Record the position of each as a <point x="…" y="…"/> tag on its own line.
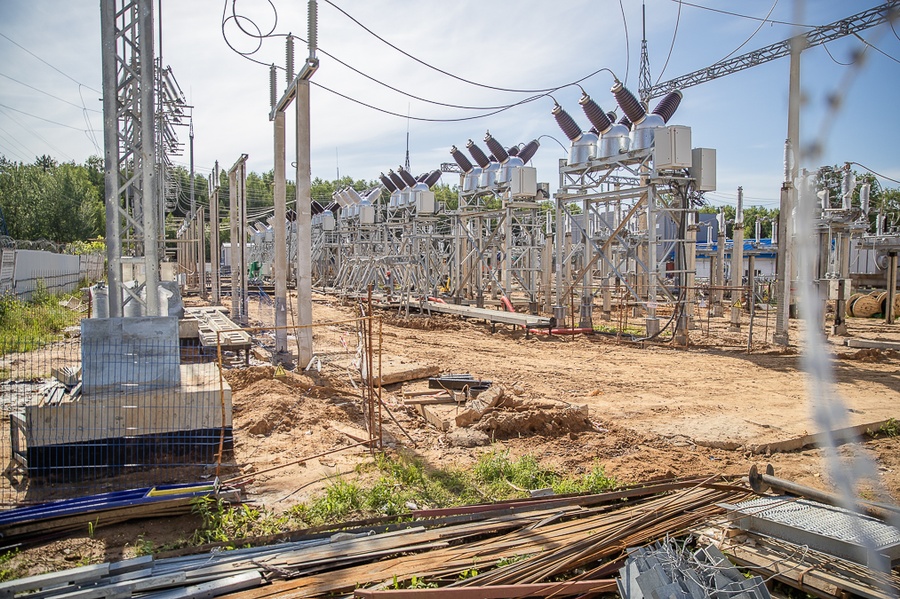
<point x="876" y="174"/>
<point x="447" y="73"/>
<point x="874" y="47"/>
<point x="671" y="46"/>
<point x="627" y="45"/>
<point x="743" y="16"/>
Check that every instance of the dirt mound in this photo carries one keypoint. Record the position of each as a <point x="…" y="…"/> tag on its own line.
<point x="271" y="405"/>
<point x="870" y="355"/>
<point x="554" y="422"/>
<point x="241" y="378"/>
<point x="435" y="322"/>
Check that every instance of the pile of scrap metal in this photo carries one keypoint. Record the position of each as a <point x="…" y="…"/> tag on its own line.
<point x="559" y="546"/>
<point x="34" y="523"/>
<point x="814" y="541"/>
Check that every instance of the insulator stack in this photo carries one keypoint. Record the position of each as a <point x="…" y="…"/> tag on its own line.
<point x="625" y="121"/>
<point x="595" y="114"/>
<point x="406" y="176"/>
<point x="478" y="154"/>
<point x="461" y="159"/>
<point x="668" y="105"/>
<point x="289" y="58"/>
<point x="566" y="123"/>
<point x="399" y="183"/>
<point x="496" y="149"/>
<point x="388" y="184"/>
<point x="513" y="151"/>
<point x="530" y="149"/>
<point x="421" y="177"/>
<point x="629" y="104"/>
<point x="273" y="96"/>
<point x="312" y="18"/>
<point x="432" y="178"/>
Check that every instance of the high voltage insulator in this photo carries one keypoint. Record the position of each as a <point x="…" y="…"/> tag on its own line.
<point x="432" y="178"/>
<point x="273" y="95"/>
<point x="595" y="114"/>
<point x="629" y="104"/>
<point x="496" y="148"/>
<point x="668" y="105"/>
<point x="529" y="150"/>
<point x="313" y="24"/>
<point x="399" y="183"/>
<point x="478" y="154"/>
<point x="461" y="160"/>
<point x="406" y="176"/>
<point x="289" y="58"/>
<point x="388" y="184"/>
<point x="566" y="123"/>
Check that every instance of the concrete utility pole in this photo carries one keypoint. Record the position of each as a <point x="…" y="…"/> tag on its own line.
<point x="297" y="90"/>
<point x="737" y="263"/>
<point x="784" y="264"/>
<point x="721" y="239"/>
<point x="214" y="247"/>
<point x="237" y="202"/>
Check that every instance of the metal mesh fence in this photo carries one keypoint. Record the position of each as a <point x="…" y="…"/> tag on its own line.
<point x="128" y="404"/>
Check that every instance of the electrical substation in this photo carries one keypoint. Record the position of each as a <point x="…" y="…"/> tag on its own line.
<point x="200" y="355"/>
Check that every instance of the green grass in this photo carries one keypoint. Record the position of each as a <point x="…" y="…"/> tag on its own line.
<point x="8" y="571"/>
<point x="392" y="486"/>
<point x="27" y="325"/>
<point x="891" y="428"/>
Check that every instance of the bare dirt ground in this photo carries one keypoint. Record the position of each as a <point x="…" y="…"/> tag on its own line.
<point x="652" y="410"/>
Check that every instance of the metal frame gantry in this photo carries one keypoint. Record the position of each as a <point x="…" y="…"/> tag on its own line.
<point x="614" y="240"/>
<point x="500" y="250"/>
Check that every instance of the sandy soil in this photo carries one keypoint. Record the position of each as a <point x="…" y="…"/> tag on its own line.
<point x="652" y="410"/>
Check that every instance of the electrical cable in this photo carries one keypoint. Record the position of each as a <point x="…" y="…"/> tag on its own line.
<point x="424" y="119"/>
<point x="752" y="35"/>
<point x="50" y="65"/>
<point x="565" y="149"/>
<point x="875" y="173"/>
<point x="448" y="74"/>
<point x="627" y="44"/>
<point x="49" y="94"/>
<point x="42" y="118"/>
<point x="843" y="64"/>
<point x="876" y="48"/>
<point x="259" y="36"/>
<point x="735" y="14"/>
<point x="35" y="133"/>
<point x="671" y="46"/>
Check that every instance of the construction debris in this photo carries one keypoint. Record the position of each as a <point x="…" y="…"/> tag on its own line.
<point x="665" y="570"/>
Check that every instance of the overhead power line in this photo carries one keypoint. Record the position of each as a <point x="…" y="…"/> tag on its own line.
<point x="78" y="106"/>
<point x="851" y="25"/>
<point x="61" y="72"/>
<point x="34" y="116"/>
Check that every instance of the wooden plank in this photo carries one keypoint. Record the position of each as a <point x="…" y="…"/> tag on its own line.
<point x="500" y="591"/>
<point x="434" y="418"/>
<point x="403" y="373"/>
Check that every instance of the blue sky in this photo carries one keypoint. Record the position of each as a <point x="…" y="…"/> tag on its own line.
<point x="529" y="44"/>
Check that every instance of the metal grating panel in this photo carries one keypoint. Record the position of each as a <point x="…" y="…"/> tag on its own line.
<point x="827" y="528"/>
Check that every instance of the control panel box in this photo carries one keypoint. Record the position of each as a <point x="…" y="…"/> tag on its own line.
<point x="672" y="147"/>
<point x="703" y="170"/>
<point x="523" y="182"/>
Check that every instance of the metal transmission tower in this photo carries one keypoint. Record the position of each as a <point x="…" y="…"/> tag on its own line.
<point x="141" y="104"/>
<point x="644" y="76"/>
<point x="820" y="35"/>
